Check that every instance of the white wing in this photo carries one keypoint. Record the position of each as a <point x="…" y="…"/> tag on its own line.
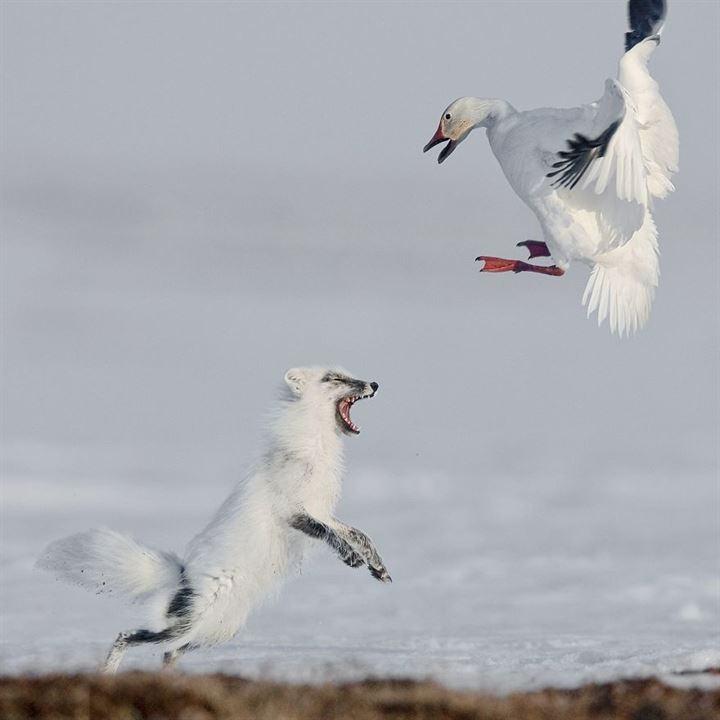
<point x="623" y="281"/>
<point x="656" y="126"/>
<point x="623" y="152"/>
<point x="619" y="172"/>
<point x="602" y="169"/>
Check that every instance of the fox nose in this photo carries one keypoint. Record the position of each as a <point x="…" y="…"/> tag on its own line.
<point x="374" y="387"/>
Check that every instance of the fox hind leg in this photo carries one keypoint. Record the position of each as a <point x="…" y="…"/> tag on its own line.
<point x="137" y="637"/>
<point x="115" y="656"/>
<point x="171" y="657"/>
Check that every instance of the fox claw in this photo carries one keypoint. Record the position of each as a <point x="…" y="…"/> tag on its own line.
<point x="380" y="574"/>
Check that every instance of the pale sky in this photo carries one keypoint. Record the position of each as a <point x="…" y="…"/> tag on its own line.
<point x="200" y="195"/>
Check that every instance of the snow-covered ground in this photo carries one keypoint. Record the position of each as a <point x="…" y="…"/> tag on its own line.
<point x="504" y="581"/>
<point x="196" y="198"/>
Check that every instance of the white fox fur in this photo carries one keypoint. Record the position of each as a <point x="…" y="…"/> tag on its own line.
<point x="257" y="537"/>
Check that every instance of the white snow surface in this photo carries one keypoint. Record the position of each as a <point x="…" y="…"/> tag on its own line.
<point x="501" y="582"/>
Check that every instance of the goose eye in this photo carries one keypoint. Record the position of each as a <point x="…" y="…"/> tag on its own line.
<point x="447" y="116"/>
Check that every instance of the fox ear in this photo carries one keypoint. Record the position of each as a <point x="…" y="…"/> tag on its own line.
<point x="296" y="378"/>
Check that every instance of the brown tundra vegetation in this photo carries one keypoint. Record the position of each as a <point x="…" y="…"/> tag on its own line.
<point x="140" y="696"/>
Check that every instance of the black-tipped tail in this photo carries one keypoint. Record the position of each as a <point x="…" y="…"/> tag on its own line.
<point x="646" y="18"/>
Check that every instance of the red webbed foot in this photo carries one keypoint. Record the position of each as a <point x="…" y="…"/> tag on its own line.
<point x="535" y="248"/>
<point x="494" y="264"/>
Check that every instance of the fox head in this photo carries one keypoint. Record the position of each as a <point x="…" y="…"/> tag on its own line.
<point x="331" y="388"/>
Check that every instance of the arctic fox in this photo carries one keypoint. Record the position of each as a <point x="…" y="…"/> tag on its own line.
<point x="257" y="537"/>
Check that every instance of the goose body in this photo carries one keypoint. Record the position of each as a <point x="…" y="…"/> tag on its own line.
<point x="589" y="174"/>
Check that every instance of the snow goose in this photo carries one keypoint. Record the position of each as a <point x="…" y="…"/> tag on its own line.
<point x="589" y="174"/>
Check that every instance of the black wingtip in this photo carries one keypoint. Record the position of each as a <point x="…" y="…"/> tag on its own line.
<point x="581" y="152"/>
<point x="646" y="18"/>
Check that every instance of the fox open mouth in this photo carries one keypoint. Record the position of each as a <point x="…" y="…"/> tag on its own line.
<point x="343" y="413"/>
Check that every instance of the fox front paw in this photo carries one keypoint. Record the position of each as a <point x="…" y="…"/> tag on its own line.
<point x="380" y="573"/>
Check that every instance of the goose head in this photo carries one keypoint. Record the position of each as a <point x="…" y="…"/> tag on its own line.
<point x="457" y="121"/>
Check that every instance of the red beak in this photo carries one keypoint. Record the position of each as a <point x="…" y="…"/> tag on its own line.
<point x="438" y="137"/>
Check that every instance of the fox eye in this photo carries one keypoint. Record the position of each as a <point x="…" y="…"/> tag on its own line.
<point x="447" y="116"/>
<point x="330" y="377"/>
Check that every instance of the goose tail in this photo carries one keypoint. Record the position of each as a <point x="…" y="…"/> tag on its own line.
<point x="621" y="288"/>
